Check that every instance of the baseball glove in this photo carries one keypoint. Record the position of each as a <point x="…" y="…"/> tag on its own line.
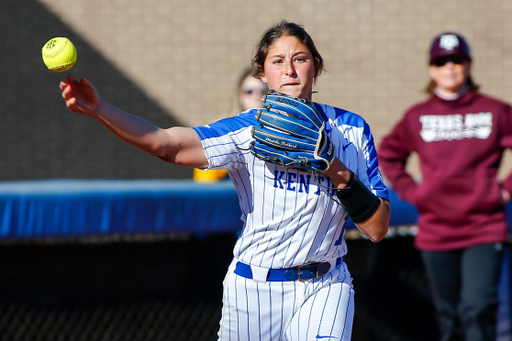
<point x="291" y="133"/>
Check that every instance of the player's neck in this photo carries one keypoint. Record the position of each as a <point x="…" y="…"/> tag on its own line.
<point x="450" y="96"/>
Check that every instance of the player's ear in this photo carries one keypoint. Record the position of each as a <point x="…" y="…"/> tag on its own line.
<point x="263" y="78"/>
<point x="262" y="74"/>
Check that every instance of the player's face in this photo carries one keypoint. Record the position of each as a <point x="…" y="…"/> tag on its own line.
<point x="450" y="74"/>
<point x="289" y="68"/>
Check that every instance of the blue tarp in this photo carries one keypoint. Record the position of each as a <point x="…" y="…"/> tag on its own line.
<point x="71" y="208"/>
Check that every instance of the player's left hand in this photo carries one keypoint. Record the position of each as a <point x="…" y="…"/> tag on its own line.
<point x="291" y="133"/>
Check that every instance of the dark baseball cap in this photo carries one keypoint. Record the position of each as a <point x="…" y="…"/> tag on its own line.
<point x="449" y="44"/>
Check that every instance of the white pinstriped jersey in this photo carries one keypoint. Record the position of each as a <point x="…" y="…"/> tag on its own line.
<point x="288" y="219"/>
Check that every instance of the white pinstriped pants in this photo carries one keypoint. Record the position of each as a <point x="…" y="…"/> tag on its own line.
<point x="318" y="310"/>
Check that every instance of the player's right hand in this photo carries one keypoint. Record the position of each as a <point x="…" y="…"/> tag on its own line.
<point x="81" y="96"/>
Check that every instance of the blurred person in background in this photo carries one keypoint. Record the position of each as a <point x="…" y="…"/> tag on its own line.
<point x="459" y="135"/>
<point x="248" y="93"/>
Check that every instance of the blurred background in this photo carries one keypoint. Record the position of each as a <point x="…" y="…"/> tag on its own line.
<point x="177" y="63"/>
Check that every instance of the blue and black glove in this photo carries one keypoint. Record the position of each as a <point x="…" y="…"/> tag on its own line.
<point x="291" y="133"/>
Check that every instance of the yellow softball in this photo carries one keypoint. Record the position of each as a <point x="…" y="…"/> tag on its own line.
<point x="59" y="54"/>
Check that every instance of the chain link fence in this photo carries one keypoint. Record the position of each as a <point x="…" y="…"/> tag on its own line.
<point x="155" y="289"/>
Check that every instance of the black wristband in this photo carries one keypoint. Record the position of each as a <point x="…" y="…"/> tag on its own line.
<point x="358" y="201"/>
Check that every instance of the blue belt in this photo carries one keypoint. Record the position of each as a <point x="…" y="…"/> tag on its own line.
<point x="305" y="272"/>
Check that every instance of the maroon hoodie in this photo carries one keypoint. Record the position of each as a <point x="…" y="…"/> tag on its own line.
<point x="460" y="145"/>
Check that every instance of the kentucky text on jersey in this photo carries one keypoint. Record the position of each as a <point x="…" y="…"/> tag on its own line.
<point x="300" y="181"/>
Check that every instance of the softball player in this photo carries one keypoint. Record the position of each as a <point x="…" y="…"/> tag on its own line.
<point x="287" y="280"/>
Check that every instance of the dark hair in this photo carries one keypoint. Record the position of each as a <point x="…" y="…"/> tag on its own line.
<point x="472" y="86"/>
<point x="285" y="28"/>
